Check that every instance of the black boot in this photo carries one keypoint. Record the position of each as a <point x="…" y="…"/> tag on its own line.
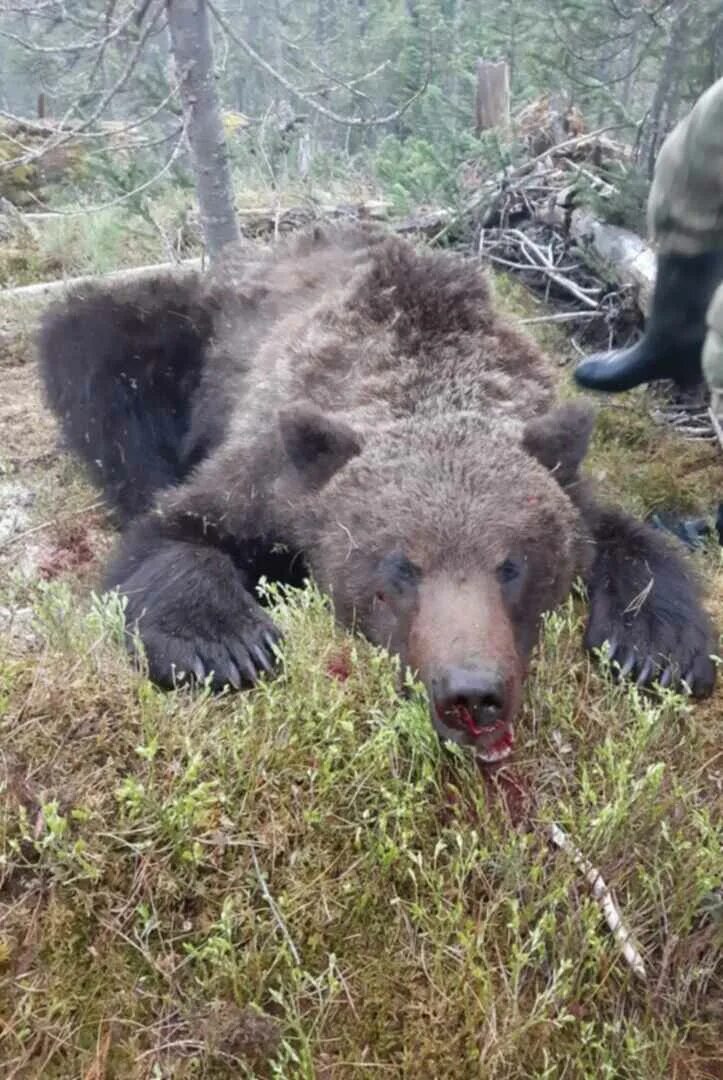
<point x="674" y="336"/>
<point x="693" y="532"/>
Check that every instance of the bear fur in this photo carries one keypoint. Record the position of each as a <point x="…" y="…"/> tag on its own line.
<point x="351" y="407"/>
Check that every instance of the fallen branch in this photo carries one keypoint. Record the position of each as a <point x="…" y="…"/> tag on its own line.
<point x="16" y="537"/>
<point x="538" y="262"/>
<point x="617" y="254"/>
<point x="48" y="290"/>
<point x="603" y="896"/>
<point x="545" y="263"/>
<point x="562" y="316"/>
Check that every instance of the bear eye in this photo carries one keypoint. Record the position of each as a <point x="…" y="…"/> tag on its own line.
<point x="508" y="571"/>
<point x="397" y="580"/>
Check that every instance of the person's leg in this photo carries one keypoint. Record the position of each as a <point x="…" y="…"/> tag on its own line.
<point x="712" y="358"/>
<point x="685" y="222"/>
<point x="713" y="372"/>
<point x="673" y="341"/>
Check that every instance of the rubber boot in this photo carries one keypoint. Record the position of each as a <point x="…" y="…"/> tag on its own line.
<point x="673" y="342"/>
<point x="693" y="532"/>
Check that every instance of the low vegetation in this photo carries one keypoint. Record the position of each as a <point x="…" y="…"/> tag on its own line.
<point x="300" y="881"/>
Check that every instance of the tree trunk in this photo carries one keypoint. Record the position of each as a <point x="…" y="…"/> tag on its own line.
<point x="665" y="90"/>
<point x="193" y="56"/>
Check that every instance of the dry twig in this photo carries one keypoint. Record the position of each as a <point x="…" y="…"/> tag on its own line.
<point x="603" y="896"/>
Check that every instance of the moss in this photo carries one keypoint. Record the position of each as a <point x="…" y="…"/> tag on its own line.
<point x="309" y="850"/>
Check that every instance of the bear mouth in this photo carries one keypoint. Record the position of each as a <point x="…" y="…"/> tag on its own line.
<point x="497" y="744"/>
<point x="489" y="743"/>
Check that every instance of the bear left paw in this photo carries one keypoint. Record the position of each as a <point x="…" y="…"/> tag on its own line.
<point x="655" y="637"/>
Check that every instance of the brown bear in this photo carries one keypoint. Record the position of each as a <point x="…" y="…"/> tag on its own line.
<point x="351" y="407"/>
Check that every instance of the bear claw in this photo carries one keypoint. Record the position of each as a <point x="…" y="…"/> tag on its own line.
<point x="698" y="680"/>
<point x="237" y="661"/>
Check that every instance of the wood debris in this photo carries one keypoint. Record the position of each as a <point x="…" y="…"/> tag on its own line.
<point x="604" y="898"/>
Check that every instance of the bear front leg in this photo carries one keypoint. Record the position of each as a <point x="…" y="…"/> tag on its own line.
<point x="645" y="603"/>
<point x="189" y="602"/>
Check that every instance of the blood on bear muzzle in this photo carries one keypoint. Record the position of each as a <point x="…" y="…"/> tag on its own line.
<point x="456" y="634"/>
<point x="473" y="705"/>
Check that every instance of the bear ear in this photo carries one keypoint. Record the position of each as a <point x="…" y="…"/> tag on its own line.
<point x="559" y="440"/>
<point x="316" y="444"/>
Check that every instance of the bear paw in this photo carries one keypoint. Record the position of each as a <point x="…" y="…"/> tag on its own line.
<point x="653" y="640"/>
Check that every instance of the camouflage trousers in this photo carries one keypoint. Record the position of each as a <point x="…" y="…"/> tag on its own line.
<point x="685" y="208"/>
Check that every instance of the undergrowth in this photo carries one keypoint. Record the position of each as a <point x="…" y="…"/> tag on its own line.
<point x="300" y="881"/>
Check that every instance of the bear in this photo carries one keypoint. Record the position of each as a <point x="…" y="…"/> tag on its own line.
<point x="349" y="406"/>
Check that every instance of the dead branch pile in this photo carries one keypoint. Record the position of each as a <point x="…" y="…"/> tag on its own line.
<point x="534" y="219"/>
<point x="544" y="220"/>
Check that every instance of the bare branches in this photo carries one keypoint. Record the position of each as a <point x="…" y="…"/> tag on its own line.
<point x="350" y="85"/>
<point x="126" y="196"/>
<point x="530" y="224"/>
<point x="322" y="110"/>
<point x="78" y="133"/>
<point x="63" y="133"/>
<point x="542" y="262"/>
<point x="76" y="46"/>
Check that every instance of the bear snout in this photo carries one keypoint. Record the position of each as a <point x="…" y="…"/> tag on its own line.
<point x="475" y="706"/>
<point x="469" y="698"/>
<point x="462" y="645"/>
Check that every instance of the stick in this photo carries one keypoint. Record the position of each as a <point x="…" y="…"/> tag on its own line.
<point x="602" y="895"/>
<point x="551" y="273"/>
<point x="52" y="521"/>
<point x="716" y="426"/>
<point x="275" y="911"/>
<point x="564" y="316"/>
<point x="547" y="267"/>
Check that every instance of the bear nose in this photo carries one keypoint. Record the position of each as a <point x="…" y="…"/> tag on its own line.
<point x="470" y="700"/>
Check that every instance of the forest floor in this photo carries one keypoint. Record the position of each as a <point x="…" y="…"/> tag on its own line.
<point x="299" y="881"/>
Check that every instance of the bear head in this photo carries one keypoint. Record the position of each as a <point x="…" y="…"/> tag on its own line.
<point x="445" y="544"/>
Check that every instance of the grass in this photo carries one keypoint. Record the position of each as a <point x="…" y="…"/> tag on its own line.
<point x="300" y="882"/>
<point x="159" y="227"/>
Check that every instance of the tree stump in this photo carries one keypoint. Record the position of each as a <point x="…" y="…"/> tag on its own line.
<point x="492" y="100"/>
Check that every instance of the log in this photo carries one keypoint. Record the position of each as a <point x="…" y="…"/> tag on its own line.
<point x="50" y="290"/>
<point x="251" y="218"/>
<point x="616" y="255"/>
<point x="424" y="224"/>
